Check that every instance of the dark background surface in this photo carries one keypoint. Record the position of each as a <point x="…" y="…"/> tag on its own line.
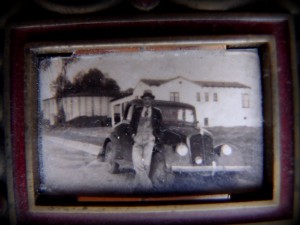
<point x="23" y="11"/>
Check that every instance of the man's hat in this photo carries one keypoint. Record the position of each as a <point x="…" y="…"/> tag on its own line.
<point x="148" y="93"/>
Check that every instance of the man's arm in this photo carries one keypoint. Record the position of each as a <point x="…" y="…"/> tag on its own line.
<point x="158" y="129"/>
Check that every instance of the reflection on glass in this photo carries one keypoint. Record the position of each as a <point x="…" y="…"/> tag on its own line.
<point x="189" y="116"/>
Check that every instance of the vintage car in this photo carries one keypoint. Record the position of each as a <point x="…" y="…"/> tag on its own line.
<point x="184" y="147"/>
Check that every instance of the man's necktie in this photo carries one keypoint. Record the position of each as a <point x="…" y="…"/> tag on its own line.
<point x="146" y="112"/>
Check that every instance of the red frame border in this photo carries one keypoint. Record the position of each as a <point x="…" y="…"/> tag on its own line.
<point x="278" y="27"/>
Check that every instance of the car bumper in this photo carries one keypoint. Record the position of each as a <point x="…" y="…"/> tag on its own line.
<point x="212" y="169"/>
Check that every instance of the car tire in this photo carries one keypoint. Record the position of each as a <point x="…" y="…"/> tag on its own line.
<point x="160" y="176"/>
<point x="110" y="155"/>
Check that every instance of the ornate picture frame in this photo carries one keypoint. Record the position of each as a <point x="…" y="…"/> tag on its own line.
<point x="31" y="46"/>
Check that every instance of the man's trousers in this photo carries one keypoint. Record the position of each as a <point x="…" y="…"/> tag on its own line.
<point x="141" y="158"/>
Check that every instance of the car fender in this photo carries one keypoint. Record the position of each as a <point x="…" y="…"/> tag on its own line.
<point x="173" y="158"/>
<point x="235" y="158"/>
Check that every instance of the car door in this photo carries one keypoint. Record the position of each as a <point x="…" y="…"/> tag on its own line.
<point x="124" y="134"/>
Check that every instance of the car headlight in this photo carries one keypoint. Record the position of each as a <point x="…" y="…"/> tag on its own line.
<point x="226" y="150"/>
<point x="182" y="149"/>
<point x="198" y="160"/>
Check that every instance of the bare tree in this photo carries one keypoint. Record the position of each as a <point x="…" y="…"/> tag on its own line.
<point x="61" y="86"/>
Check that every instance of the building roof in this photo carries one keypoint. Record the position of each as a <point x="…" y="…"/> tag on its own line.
<point x="158" y="82"/>
<point x="221" y="84"/>
<point x="164" y="103"/>
<point x="217" y="84"/>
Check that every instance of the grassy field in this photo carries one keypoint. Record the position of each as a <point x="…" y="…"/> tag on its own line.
<point x="93" y="135"/>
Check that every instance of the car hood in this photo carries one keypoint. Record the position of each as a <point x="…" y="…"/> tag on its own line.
<point x="176" y="134"/>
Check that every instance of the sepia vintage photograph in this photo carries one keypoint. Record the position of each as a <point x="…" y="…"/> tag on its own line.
<point x="141" y="120"/>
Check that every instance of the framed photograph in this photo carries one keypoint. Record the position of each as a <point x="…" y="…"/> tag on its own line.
<point x="185" y="119"/>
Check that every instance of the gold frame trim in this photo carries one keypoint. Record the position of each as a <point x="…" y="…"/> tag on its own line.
<point x="31" y="106"/>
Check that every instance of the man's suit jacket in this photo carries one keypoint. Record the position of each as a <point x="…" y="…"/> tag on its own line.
<point x="156" y="121"/>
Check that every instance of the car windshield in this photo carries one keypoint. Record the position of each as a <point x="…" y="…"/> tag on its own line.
<point x="175" y="115"/>
<point x="171" y="115"/>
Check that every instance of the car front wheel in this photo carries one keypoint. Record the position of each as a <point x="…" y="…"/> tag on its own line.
<point x="160" y="176"/>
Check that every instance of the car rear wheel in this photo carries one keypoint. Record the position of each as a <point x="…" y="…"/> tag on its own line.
<point x="110" y="155"/>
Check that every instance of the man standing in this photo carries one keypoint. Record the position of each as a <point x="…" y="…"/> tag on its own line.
<point x="146" y="126"/>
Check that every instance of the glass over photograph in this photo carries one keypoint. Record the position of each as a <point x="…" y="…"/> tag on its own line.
<point x="145" y="120"/>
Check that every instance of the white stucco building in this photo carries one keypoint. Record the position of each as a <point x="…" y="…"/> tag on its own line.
<point x="217" y="103"/>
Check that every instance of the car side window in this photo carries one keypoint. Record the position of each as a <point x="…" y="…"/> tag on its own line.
<point x="180" y="115"/>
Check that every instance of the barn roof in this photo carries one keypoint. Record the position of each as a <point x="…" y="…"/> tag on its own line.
<point x="91" y="93"/>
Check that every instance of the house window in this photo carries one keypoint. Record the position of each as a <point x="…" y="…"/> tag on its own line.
<point x="206" y="122"/>
<point x="174" y="96"/>
<point x="215" y="97"/>
<point x="245" y="101"/>
<point x="206" y="96"/>
<point x="198" y="97"/>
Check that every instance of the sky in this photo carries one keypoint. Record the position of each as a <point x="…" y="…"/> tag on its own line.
<point x="128" y="68"/>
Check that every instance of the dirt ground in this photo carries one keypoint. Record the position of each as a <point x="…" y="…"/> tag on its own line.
<point x="67" y="169"/>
